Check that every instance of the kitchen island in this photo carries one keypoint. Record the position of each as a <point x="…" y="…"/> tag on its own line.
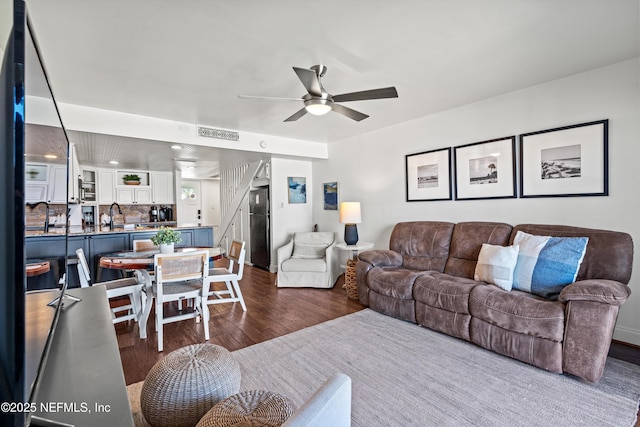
<point x="94" y="243"/>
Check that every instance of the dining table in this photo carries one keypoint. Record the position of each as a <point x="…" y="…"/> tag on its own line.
<point x="143" y="260"/>
<point x="43" y="273"/>
<point x="141" y="263"/>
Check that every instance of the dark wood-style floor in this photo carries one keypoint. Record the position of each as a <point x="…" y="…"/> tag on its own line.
<point x="271" y="312"/>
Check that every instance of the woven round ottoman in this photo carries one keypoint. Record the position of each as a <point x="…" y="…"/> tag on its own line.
<point x="182" y="386"/>
<point x="254" y="408"/>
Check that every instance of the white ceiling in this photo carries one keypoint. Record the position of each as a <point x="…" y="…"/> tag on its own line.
<point x="188" y="60"/>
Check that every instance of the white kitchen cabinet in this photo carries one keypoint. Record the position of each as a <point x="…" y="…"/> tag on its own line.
<point x="131" y="194"/>
<point x="75" y="175"/>
<point x="36" y="187"/>
<point x="57" y="184"/>
<point x="35" y="192"/>
<point x="106" y="186"/>
<point x="162" y="188"/>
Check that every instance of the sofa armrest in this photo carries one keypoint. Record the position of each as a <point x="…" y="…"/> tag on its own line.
<point x="381" y="258"/>
<point x="330" y="405"/>
<point x="284" y="253"/>
<point x="597" y="290"/>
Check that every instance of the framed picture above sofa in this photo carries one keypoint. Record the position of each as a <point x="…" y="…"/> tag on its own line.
<point x="486" y="169"/>
<point x="565" y="161"/>
<point x="428" y="175"/>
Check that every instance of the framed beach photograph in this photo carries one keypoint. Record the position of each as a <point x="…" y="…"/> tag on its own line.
<point x="297" y="189"/>
<point x="486" y="169"/>
<point x="428" y="175"/>
<point x="330" y="196"/>
<point x="566" y="161"/>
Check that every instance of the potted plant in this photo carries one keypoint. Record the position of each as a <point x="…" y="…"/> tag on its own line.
<point x="166" y="238"/>
<point x="131" y="179"/>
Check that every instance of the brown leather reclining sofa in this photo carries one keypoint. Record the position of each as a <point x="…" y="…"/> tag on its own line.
<point x="426" y="277"/>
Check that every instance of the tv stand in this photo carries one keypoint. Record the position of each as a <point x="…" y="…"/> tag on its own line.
<point x="83" y="383"/>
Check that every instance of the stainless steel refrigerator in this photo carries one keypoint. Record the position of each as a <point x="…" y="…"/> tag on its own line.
<point x="259" y="224"/>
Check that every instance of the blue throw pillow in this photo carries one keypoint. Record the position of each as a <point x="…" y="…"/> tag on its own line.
<point x="547" y="264"/>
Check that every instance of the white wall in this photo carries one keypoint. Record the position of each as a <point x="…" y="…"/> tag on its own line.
<point x="288" y="218"/>
<point x="371" y="168"/>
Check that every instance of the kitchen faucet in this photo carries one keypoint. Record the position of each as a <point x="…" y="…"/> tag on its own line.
<point x="111" y="214"/>
<point x="46" y="213"/>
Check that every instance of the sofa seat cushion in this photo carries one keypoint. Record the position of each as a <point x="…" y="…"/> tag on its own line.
<point x="444" y="291"/>
<point x="518" y="312"/>
<point x="395" y="282"/>
<point x="306" y="265"/>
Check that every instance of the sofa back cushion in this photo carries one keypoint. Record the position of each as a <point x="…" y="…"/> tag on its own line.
<point x="424" y="245"/>
<point x="312" y="245"/>
<point x="466" y="242"/>
<point x="609" y="253"/>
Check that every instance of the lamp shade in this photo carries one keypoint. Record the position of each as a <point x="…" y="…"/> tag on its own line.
<point x="350" y="213"/>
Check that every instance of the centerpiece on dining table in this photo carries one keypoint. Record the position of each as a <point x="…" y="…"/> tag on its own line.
<point x="166" y="238"/>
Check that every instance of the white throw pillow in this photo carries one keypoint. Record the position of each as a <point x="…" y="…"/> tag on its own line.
<point x="309" y="250"/>
<point x="496" y="264"/>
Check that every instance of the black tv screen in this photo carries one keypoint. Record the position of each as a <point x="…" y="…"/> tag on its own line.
<point x="25" y="338"/>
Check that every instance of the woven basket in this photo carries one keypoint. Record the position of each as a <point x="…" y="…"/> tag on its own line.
<point x="249" y="408"/>
<point x="350" y="284"/>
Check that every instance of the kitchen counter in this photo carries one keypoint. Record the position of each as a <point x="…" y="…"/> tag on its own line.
<point x="58" y="245"/>
<point x="119" y="228"/>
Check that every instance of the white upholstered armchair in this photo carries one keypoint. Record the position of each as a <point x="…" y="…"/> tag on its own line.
<point x="308" y="260"/>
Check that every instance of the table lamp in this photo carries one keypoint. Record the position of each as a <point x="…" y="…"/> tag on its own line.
<point x="350" y="216"/>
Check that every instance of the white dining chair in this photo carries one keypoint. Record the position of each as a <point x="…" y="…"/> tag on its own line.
<point x="178" y="277"/>
<point x="130" y="287"/>
<point x="230" y="276"/>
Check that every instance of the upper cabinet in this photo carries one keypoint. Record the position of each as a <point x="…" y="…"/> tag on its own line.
<point x="151" y="188"/>
<point x="133" y="195"/>
<point x="106" y="186"/>
<point x="47" y="183"/>
<point x="58" y="184"/>
<point x="36" y="184"/>
<point x="162" y="188"/>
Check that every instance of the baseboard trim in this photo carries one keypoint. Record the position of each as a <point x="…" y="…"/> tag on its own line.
<point x="627" y="335"/>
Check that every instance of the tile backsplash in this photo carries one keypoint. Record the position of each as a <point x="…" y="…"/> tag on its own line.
<point x="130" y="214"/>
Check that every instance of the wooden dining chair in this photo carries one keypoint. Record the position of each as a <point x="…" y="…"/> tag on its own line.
<point x="143" y="245"/>
<point x="130" y="287"/>
<point x="178" y="277"/>
<point x="230" y="276"/>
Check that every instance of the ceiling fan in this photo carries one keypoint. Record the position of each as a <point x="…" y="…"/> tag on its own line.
<point x="318" y="101"/>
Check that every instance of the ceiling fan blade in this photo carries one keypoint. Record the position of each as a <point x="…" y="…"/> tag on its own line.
<point x="387" y="92"/>
<point x="296" y="115"/>
<point x="309" y="79"/>
<point x="352" y="114"/>
<point x="269" y="98"/>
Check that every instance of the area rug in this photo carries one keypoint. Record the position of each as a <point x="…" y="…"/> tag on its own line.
<point x="406" y="375"/>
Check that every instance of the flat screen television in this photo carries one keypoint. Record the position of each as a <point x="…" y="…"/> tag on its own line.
<point x="24" y="339"/>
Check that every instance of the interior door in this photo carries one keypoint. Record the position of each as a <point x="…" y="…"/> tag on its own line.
<point x="189" y="204"/>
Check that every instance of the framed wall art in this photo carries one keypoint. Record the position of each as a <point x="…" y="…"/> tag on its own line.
<point x="297" y="189"/>
<point x="486" y="169"/>
<point x="566" y="161"/>
<point x="428" y="175"/>
<point x="330" y="196"/>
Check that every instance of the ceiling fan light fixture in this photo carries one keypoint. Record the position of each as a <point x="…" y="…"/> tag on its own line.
<point x="318" y="107"/>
